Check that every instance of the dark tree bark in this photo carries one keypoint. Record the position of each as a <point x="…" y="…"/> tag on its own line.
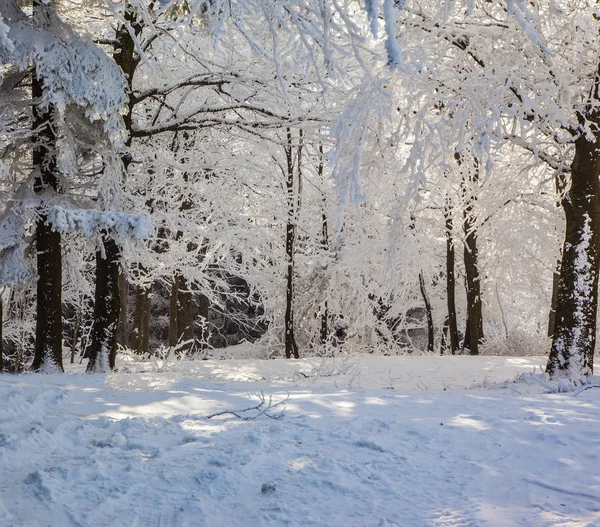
<point x="324" y="329"/>
<point x="48" y="331"/>
<point x="474" y="323"/>
<point x="105" y="332"/>
<point x="429" y="312"/>
<point x="1" y="337"/>
<point x="291" y="348"/>
<point x="122" y="327"/>
<point x="173" y="311"/>
<point x="560" y="183"/>
<point x="103" y="346"/>
<point x="553" y="300"/>
<point x="75" y="334"/>
<point x="451" y="321"/>
<point x="186" y="312"/>
<point x="574" y="336"/>
<point x="141" y="337"/>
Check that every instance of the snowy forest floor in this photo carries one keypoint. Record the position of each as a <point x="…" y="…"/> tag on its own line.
<point x="365" y="441"/>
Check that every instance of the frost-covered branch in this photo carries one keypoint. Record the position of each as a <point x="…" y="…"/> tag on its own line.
<point x="264" y="407"/>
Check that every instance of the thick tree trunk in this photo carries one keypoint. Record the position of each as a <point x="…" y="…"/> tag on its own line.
<point x="474" y="322"/>
<point x="451" y="321"/>
<point x="48" y="332"/>
<point x="574" y="335"/>
<point x="429" y="312"/>
<point x="105" y="332"/>
<point x="103" y="346"/>
<point x="1" y="337"/>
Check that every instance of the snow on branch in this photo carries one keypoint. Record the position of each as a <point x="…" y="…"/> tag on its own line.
<point x="73" y="69"/>
<point x="90" y="223"/>
<point x="13" y="264"/>
<point x="264" y="407"/>
<point x="5" y="42"/>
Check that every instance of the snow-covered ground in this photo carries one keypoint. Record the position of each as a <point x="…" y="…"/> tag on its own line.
<point x="370" y="441"/>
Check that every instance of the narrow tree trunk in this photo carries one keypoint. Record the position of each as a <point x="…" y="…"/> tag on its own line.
<point x="141" y="337"/>
<point x="574" y="335"/>
<point x="186" y="312"/>
<point x="103" y="346"/>
<point x="291" y="348"/>
<point x="75" y="335"/>
<point x="203" y="311"/>
<point x="48" y="332"/>
<point x="324" y="330"/>
<point x="451" y="321"/>
<point x="122" y="330"/>
<point x="173" y="305"/>
<point x="146" y="321"/>
<point x="429" y="312"/>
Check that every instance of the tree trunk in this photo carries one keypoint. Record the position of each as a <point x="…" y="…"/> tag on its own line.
<point x="186" y="315"/>
<point x="122" y="329"/>
<point x="574" y="335"/>
<point x="48" y="331"/>
<point x="103" y="346"/>
<point x="141" y="338"/>
<point x="553" y="300"/>
<point x="291" y="348"/>
<point x="75" y="335"/>
<point x="146" y="321"/>
<point x="203" y="309"/>
<point x="173" y="305"/>
<point x="1" y="337"/>
<point x="474" y="323"/>
<point x="451" y="321"/>
<point x="324" y="330"/>
<point x="105" y="330"/>
<point x="430" y="328"/>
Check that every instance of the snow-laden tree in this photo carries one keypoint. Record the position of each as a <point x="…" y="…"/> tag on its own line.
<point x="77" y="94"/>
<point x="525" y="73"/>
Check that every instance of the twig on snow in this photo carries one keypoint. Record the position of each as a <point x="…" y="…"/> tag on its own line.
<point x="264" y="407"/>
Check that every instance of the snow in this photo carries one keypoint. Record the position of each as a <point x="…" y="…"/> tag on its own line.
<point x="73" y="69"/>
<point x="363" y="441"/>
<point x="124" y="226"/>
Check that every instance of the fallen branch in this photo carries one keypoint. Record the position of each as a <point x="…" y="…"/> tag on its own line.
<point x="584" y="388"/>
<point x="264" y="407"/>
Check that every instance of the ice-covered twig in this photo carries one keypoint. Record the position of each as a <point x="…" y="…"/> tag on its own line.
<point x="584" y="388"/>
<point x="264" y="407"/>
<point x="536" y="379"/>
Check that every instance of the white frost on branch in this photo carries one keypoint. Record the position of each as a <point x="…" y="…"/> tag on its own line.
<point x="5" y="42"/>
<point x="73" y="69"/>
<point x="91" y="222"/>
<point x="13" y="264"/>
<point x="372" y="15"/>
<point x="394" y="52"/>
